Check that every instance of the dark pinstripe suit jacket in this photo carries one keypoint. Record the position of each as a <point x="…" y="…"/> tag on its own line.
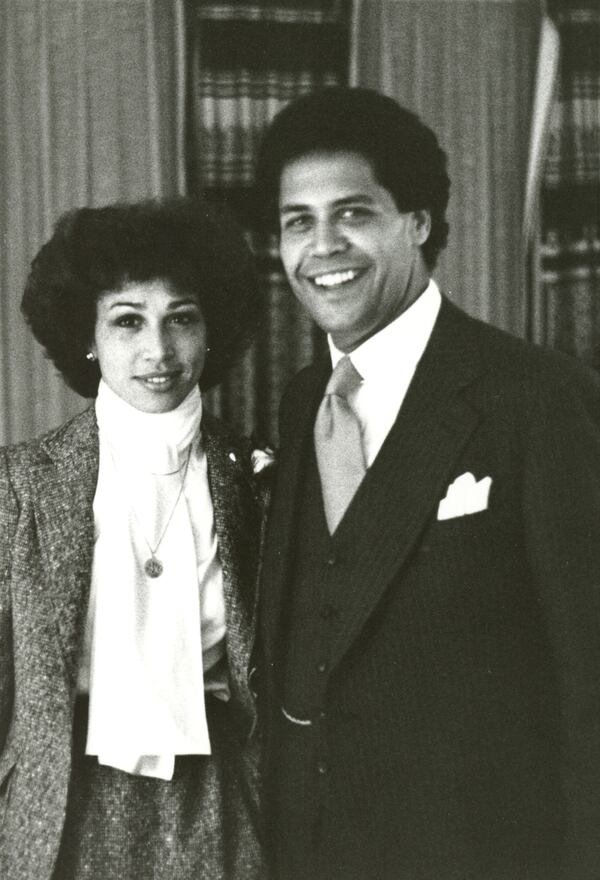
<point x="461" y="701"/>
<point x="46" y="541"/>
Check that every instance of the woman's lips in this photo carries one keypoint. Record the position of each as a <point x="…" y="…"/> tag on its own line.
<point x="159" y="381"/>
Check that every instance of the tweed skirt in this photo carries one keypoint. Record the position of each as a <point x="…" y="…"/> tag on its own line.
<point x="201" y="824"/>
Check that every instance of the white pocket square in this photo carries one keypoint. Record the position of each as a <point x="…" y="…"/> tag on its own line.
<point x="465" y="495"/>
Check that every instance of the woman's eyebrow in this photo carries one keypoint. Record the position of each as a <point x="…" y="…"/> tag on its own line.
<point x="188" y="301"/>
<point x="128" y="304"/>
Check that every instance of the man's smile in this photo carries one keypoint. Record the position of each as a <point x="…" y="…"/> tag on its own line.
<point x="335" y="279"/>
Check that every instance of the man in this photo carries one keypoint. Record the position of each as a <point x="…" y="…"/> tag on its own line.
<point x="431" y="579"/>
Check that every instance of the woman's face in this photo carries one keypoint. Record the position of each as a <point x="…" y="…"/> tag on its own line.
<point x="150" y="343"/>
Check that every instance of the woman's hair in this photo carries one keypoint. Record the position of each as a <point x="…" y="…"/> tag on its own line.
<point x="404" y="153"/>
<point x="194" y="246"/>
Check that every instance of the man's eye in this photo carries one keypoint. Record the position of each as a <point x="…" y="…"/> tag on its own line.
<point x="355" y="214"/>
<point x="296" y="224"/>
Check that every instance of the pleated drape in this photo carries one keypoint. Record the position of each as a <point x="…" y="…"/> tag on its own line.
<point x="90" y="112"/>
<point x="246" y="61"/>
<point x="564" y="235"/>
<point x="467" y="67"/>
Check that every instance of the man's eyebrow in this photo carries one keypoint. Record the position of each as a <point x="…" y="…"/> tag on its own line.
<point x="363" y="198"/>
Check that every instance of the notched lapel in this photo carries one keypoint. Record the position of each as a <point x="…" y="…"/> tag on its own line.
<point x="237" y="521"/>
<point x="281" y="520"/>
<point x="405" y="483"/>
<point x="63" y="487"/>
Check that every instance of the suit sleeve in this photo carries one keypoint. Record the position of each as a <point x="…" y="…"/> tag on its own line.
<point x="8" y="521"/>
<point x="562" y="516"/>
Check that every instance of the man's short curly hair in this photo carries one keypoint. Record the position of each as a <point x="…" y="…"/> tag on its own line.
<point x="196" y="247"/>
<point x="404" y="153"/>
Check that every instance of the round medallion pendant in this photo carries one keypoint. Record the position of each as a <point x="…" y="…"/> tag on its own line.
<point x="153" y="567"/>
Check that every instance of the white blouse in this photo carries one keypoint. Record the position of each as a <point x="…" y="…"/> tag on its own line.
<point x="153" y="645"/>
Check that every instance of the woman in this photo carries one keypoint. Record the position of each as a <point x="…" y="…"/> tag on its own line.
<point x="128" y="549"/>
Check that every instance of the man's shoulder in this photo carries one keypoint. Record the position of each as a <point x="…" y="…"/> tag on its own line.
<point x="512" y="360"/>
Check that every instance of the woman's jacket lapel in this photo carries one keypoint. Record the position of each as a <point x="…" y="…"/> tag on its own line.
<point x="63" y="483"/>
<point x="238" y="520"/>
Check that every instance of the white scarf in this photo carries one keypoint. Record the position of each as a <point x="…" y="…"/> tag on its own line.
<point x="146" y="673"/>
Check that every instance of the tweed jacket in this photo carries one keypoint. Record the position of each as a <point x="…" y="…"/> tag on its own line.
<point x="46" y="542"/>
<point x="456" y="723"/>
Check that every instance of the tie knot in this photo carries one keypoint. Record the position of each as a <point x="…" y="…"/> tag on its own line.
<point x="344" y="379"/>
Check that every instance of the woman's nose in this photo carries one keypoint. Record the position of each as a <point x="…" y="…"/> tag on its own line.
<point x="158" y="344"/>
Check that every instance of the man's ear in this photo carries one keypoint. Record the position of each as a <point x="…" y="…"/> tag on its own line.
<point x="421" y="226"/>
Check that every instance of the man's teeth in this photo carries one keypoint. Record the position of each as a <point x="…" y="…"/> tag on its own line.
<point x="333" y="278"/>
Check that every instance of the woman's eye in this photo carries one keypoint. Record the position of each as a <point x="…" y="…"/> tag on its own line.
<point x="184" y="318"/>
<point x="128" y="321"/>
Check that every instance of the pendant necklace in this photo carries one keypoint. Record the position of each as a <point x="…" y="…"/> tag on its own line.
<point x="153" y="566"/>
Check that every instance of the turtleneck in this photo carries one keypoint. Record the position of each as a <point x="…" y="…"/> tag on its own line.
<point x="155" y="442"/>
<point x="151" y="639"/>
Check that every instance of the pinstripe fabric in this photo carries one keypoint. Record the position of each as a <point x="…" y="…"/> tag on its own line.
<point x="454" y="690"/>
<point x="46" y="541"/>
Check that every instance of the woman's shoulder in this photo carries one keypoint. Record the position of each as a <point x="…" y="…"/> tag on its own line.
<point x="224" y="435"/>
<point x="240" y="451"/>
<point x="29" y="452"/>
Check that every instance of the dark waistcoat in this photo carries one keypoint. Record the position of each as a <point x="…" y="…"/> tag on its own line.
<point x="326" y="828"/>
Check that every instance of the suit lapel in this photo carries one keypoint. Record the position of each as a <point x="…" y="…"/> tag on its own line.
<point x="409" y="476"/>
<point x="237" y="522"/>
<point x="401" y="490"/>
<point x="63" y="486"/>
<point x="282" y="515"/>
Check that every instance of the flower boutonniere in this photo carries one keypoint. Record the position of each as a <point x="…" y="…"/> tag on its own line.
<point x="261" y="459"/>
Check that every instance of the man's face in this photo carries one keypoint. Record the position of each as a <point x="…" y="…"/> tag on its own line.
<point x="352" y="259"/>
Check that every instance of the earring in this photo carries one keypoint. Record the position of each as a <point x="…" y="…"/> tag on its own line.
<point x="90" y="356"/>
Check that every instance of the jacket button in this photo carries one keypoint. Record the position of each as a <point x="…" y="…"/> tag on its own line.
<point x="322" y="768"/>
<point x="321" y="667"/>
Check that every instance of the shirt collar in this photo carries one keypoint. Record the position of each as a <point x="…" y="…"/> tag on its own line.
<point x="400" y="344"/>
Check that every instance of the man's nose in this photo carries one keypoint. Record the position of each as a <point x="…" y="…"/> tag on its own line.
<point x="327" y="239"/>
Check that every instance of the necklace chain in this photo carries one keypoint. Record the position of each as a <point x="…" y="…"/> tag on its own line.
<point x="153" y="566"/>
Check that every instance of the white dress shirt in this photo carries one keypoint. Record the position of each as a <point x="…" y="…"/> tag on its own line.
<point x="387" y="362"/>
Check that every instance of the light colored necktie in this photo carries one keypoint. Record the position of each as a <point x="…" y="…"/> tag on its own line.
<point x="338" y="445"/>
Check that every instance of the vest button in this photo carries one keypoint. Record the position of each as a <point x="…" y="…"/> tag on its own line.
<point x="332" y="559"/>
<point x="322" y="768"/>
<point x="328" y="611"/>
<point x="321" y="667"/>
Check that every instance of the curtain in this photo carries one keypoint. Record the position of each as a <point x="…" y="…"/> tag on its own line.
<point x="246" y="60"/>
<point x="467" y="68"/>
<point x="90" y="112"/>
<point x="565" y="234"/>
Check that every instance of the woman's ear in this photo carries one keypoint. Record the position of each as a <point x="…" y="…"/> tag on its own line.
<point x="421" y="226"/>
